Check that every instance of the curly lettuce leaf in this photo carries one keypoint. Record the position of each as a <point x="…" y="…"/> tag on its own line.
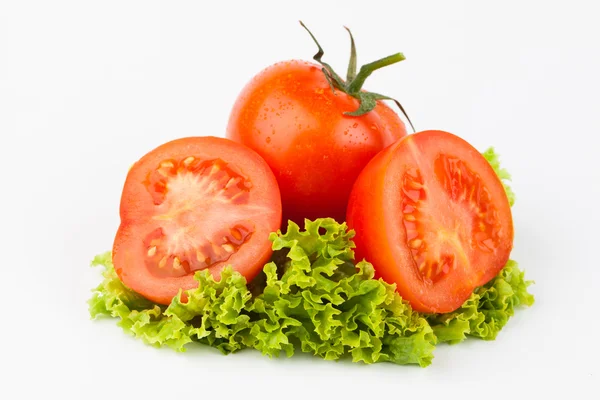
<point x="332" y="308"/>
<point x="137" y="315"/>
<point x="316" y="301"/>
<point x="488" y="309"/>
<point x="494" y="159"/>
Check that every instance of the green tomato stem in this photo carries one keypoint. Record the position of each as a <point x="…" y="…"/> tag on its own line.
<point x="366" y="70"/>
<point x="352" y="63"/>
<point x="354" y="82"/>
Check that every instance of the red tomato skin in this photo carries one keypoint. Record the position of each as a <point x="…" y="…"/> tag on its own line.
<point x="373" y="213"/>
<point x="289" y="115"/>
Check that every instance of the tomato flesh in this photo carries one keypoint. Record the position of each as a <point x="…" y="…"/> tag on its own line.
<point x="191" y="205"/>
<point x="432" y="216"/>
<point x="187" y="195"/>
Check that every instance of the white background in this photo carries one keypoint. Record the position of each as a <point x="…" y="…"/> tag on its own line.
<point x="86" y="88"/>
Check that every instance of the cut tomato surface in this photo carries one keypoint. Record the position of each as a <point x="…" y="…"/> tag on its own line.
<point x="432" y="216"/>
<point x="193" y="204"/>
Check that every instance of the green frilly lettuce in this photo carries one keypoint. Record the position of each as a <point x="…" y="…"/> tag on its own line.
<point x="494" y="159"/>
<point x="312" y="298"/>
<point x="316" y="300"/>
<point x="488" y="309"/>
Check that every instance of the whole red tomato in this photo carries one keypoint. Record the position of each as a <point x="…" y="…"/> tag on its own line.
<point x="315" y="130"/>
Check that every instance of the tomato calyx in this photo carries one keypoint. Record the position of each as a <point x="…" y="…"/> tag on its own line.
<point x="354" y="82"/>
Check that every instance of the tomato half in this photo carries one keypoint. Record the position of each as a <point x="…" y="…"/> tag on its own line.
<point x="432" y="216"/>
<point x="289" y="114"/>
<point x="193" y="204"/>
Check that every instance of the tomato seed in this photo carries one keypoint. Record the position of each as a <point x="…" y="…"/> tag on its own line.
<point x="163" y="262"/>
<point x="152" y="251"/>
<point x="176" y="263"/>
<point x="415" y="244"/>
<point x="410" y="217"/>
<point x="188" y="161"/>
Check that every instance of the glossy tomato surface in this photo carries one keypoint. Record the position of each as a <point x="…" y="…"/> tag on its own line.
<point x="289" y="115"/>
<point x="193" y="204"/>
<point x="432" y="216"/>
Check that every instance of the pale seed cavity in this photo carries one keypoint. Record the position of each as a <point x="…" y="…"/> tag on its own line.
<point x="212" y="179"/>
<point x="413" y="193"/>
<point x="465" y="186"/>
